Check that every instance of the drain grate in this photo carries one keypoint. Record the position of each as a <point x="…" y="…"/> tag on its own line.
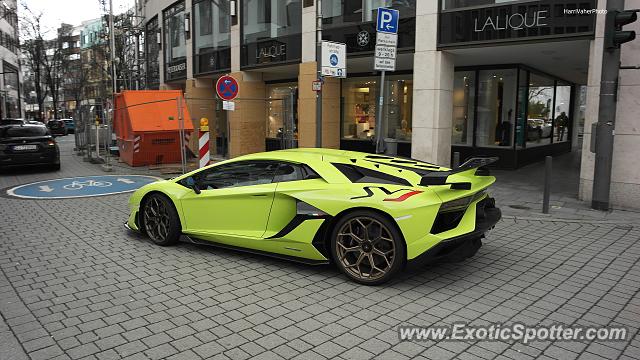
<point x="520" y="207"/>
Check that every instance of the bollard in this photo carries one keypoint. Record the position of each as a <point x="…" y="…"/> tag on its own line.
<point x="203" y="143"/>
<point x="456" y="160"/>
<point x="548" y="160"/>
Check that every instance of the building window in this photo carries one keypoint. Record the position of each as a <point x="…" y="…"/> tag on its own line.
<point x="562" y="112"/>
<point x="279" y="110"/>
<point x="152" y="50"/>
<point x="174" y="42"/>
<point x="496" y="107"/>
<point x="459" y="4"/>
<point x="359" y="113"/>
<point x="540" y="102"/>
<point x="271" y="31"/>
<point x="212" y="39"/>
<point x="464" y="87"/>
<point x="340" y="12"/>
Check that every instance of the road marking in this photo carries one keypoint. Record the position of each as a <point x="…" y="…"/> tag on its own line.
<point x="82" y="186"/>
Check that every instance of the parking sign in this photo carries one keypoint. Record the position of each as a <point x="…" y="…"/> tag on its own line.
<point x="387" y="20"/>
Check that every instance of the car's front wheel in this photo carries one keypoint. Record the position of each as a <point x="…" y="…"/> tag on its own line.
<point x="160" y="220"/>
<point x="367" y="247"/>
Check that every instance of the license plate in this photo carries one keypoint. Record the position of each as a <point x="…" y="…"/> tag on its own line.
<point x="25" y="147"/>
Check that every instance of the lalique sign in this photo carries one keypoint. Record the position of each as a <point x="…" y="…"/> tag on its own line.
<point x="521" y="21"/>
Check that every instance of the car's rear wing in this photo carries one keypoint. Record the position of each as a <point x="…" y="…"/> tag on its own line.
<point x="442" y="177"/>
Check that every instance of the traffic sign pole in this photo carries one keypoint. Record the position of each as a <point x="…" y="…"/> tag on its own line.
<point x="385" y="59"/>
<point x="379" y="138"/>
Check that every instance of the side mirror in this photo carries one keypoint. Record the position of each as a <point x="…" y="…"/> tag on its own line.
<point x="190" y="182"/>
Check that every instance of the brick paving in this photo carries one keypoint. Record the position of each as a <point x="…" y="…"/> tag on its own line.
<point x="75" y="285"/>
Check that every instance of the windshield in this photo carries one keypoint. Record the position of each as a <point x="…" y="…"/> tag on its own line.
<point x="24" y="131"/>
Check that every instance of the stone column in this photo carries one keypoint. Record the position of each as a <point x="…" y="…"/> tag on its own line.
<point x="307" y="109"/>
<point x="593" y="104"/>
<point x="432" y="90"/>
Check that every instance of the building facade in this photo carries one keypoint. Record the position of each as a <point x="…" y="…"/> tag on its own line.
<point x="491" y="77"/>
<point x="11" y="104"/>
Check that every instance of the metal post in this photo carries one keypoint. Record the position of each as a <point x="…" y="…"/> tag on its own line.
<point x="113" y="81"/>
<point x="606" y="121"/>
<point x="183" y="155"/>
<point x="319" y="70"/>
<point x="291" y="120"/>
<point x="379" y="139"/>
<point x="456" y="159"/>
<point x="548" y="162"/>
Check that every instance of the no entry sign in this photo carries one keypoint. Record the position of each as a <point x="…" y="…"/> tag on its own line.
<point x="227" y="88"/>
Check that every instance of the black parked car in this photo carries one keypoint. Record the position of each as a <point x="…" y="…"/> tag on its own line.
<point x="12" y="122"/>
<point x="28" y="145"/>
<point x="57" y="127"/>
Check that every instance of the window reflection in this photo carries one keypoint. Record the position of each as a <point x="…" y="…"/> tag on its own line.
<point x="360" y="99"/>
<point x="562" y="113"/>
<point x="496" y="107"/>
<point x="539" y="110"/>
<point x="340" y="12"/>
<point x="463" y="102"/>
<point x="278" y="109"/>
<point x="266" y="19"/>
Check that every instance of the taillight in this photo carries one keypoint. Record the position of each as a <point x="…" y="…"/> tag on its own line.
<point x="51" y="143"/>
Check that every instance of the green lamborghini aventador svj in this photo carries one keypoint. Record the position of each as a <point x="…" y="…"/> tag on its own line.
<point x="371" y="215"/>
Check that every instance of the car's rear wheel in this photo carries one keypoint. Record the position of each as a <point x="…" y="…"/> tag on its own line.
<point x="367" y="247"/>
<point x="160" y="220"/>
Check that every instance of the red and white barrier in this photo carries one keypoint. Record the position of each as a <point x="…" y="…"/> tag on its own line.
<point x="136" y="144"/>
<point x="203" y="146"/>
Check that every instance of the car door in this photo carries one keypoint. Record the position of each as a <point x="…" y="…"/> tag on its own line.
<point x="291" y="179"/>
<point x="235" y="199"/>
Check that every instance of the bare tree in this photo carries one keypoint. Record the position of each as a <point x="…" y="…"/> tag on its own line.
<point x="55" y="64"/>
<point x="35" y="52"/>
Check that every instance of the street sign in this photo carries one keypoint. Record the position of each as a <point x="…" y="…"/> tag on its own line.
<point x="316" y="85"/>
<point x="227" y="88"/>
<point x="387" y="52"/>
<point x="334" y="59"/>
<point x="387" y="20"/>
<point x="387" y="39"/>
<point x="382" y="64"/>
<point x="228" y="105"/>
<point x="79" y="187"/>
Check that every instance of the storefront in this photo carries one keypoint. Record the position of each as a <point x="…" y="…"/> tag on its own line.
<point x="358" y="108"/>
<point x="511" y="111"/>
<point x="282" y="115"/>
<point x="522" y="108"/>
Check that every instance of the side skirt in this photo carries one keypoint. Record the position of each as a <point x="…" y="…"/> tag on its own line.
<point x="187" y="238"/>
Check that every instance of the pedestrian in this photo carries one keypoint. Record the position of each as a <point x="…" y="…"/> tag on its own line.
<point x="561" y="123"/>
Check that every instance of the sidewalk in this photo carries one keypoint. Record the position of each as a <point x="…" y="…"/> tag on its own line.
<point x="519" y="194"/>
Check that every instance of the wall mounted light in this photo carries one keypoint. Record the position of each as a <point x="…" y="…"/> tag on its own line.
<point x="187" y="25"/>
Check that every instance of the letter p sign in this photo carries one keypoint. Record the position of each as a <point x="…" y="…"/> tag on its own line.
<point x="387" y="21"/>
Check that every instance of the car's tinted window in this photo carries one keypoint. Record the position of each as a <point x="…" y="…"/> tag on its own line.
<point x="293" y="172"/>
<point x="242" y="173"/>
<point x="24" y="131"/>
<point x="11" y="122"/>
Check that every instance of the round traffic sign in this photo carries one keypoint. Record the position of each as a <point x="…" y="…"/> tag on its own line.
<point x="82" y="186"/>
<point x="227" y="88"/>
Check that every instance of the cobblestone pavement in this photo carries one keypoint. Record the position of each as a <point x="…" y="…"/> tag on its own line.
<point x="74" y="284"/>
